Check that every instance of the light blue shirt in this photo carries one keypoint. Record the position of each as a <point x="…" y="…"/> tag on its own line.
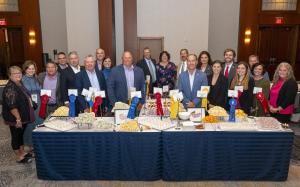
<point x="93" y="79"/>
<point x="129" y="73"/>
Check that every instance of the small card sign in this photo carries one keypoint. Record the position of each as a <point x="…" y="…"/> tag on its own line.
<point x="178" y="96"/>
<point x="197" y="114"/>
<point x="173" y="92"/>
<point x="232" y="93"/>
<point x="157" y="90"/>
<point x="205" y="89"/>
<point x="120" y="116"/>
<point x="93" y="90"/>
<point x="202" y="94"/>
<point x="257" y="90"/>
<point x="100" y="93"/>
<point x="239" y="88"/>
<point x="148" y="78"/>
<point x="84" y="92"/>
<point x="136" y="94"/>
<point x="165" y="88"/>
<point x="46" y="92"/>
<point x="72" y="91"/>
<point x="34" y="97"/>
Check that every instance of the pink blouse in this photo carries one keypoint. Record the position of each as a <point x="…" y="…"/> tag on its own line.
<point x="274" y="92"/>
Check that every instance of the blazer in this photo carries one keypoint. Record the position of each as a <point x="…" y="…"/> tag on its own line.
<point x="41" y="79"/>
<point x="188" y="93"/>
<point x="218" y="93"/>
<point x="82" y="81"/>
<point x="231" y="73"/>
<point x="287" y="93"/>
<point x="143" y="64"/>
<point x="246" y="99"/>
<point x="117" y="85"/>
<point x="67" y="81"/>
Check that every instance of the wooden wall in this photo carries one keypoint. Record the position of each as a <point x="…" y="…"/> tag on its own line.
<point x="28" y="18"/>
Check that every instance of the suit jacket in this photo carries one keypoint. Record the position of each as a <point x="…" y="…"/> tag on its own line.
<point x="218" y="93"/>
<point x="231" y="73"/>
<point x="41" y="79"/>
<point x="246" y="99"/>
<point x="143" y="64"/>
<point x="117" y="85"/>
<point x="82" y="81"/>
<point x="67" y="81"/>
<point x="188" y="93"/>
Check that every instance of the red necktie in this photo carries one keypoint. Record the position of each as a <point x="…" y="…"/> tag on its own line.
<point x="227" y="71"/>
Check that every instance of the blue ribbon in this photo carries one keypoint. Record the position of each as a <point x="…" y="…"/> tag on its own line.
<point x="132" y="110"/>
<point x="91" y="103"/>
<point x="232" y="103"/>
<point x="72" y="99"/>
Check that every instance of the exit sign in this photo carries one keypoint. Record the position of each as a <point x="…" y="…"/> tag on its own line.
<point x="279" y="20"/>
<point x="3" y="22"/>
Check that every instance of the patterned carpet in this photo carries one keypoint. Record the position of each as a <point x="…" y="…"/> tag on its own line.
<point x="13" y="174"/>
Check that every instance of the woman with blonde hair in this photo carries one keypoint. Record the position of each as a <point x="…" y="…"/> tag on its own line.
<point x="243" y="79"/>
<point x="283" y="93"/>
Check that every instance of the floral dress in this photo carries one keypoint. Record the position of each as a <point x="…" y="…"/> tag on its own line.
<point x="166" y="75"/>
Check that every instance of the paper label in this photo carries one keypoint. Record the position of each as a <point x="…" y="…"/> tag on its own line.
<point x="84" y="92"/>
<point x="46" y="92"/>
<point x="93" y="90"/>
<point x="173" y="92"/>
<point x="136" y="94"/>
<point x="205" y="89"/>
<point x="202" y="94"/>
<point x="257" y="90"/>
<point x="148" y="78"/>
<point x="239" y="88"/>
<point x="157" y="90"/>
<point x="72" y="91"/>
<point x="165" y="88"/>
<point x="34" y="98"/>
<point x="232" y="93"/>
<point x="100" y="93"/>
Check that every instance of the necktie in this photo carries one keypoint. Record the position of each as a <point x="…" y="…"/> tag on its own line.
<point x="152" y="71"/>
<point x="182" y="67"/>
<point x="227" y="71"/>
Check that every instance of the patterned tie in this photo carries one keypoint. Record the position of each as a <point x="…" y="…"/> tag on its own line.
<point x="227" y="71"/>
<point x="152" y="71"/>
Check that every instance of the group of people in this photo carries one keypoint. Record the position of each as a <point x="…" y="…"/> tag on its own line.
<point x="22" y="101"/>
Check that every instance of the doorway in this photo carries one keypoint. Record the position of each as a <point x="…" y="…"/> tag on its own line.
<point x="156" y="45"/>
<point x="11" y="49"/>
<point x="277" y="44"/>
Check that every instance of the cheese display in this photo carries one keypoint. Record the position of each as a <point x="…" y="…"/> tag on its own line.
<point x="239" y="113"/>
<point x="210" y="119"/>
<point x="231" y="126"/>
<point x="149" y="109"/>
<point x="3" y="82"/>
<point x="129" y="126"/>
<point x="85" y="118"/>
<point x="62" y="111"/>
<point x="217" y="111"/>
<point x="60" y="125"/>
<point x="101" y="124"/>
<point x="156" y="123"/>
<point x="268" y="123"/>
<point x="120" y="106"/>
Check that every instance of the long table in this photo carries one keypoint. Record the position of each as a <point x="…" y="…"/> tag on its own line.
<point x="167" y="155"/>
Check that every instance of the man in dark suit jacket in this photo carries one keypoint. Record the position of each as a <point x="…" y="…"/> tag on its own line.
<point x="68" y="76"/>
<point x="90" y="77"/>
<point x="61" y="61"/>
<point x="124" y="77"/>
<point x="229" y="67"/>
<point x="148" y="66"/>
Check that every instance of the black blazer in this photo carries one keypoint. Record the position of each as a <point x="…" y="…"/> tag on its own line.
<point x="231" y="73"/>
<point x="287" y="93"/>
<point x="67" y="81"/>
<point x="13" y="97"/>
<point x="143" y="64"/>
<point x="246" y="99"/>
<point x="218" y="93"/>
<point x="83" y="81"/>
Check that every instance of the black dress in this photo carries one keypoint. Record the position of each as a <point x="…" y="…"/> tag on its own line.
<point x="218" y="92"/>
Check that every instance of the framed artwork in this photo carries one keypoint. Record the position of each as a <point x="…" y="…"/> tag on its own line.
<point x="9" y="5"/>
<point x="197" y="114"/>
<point x="120" y="115"/>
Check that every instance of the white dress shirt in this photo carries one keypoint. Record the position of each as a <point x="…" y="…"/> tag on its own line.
<point x="93" y="79"/>
<point x="191" y="78"/>
<point x="76" y="70"/>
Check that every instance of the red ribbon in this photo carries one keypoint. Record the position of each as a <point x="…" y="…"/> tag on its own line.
<point x="238" y="99"/>
<point x="43" y="107"/>
<point x="159" y="110"/>
<point x="97" y="103"/>
<point x="262" y="100"/>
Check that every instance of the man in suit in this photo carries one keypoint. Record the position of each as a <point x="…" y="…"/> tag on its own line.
<point x="229" y="67"/>
<point x="90" y="77"/>
<point x="62" y="61"/>
<point x="190" y="82"/>
<point x="68" y="76"/>
<point x="182" y="66"/>
<point x="148" y="66"/>
<point x="50" y="80"/>
<point x="100" y="55"/>
<point x="124" y="78"/>
<point x="254" y="59"/>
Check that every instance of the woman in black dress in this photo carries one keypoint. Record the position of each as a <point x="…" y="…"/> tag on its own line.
<point x="218" y="86"/>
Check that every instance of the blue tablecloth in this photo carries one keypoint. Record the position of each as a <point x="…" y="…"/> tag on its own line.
<point x="191" y="156"/>
<point x="98" y="155"/>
